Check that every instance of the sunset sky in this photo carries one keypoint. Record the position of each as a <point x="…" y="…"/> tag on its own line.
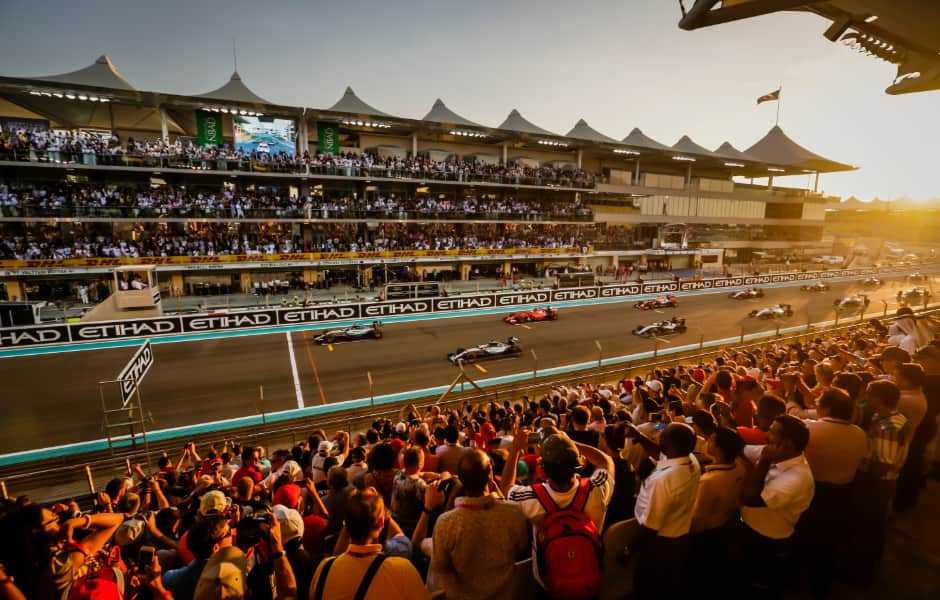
<point x="618" y="64"/>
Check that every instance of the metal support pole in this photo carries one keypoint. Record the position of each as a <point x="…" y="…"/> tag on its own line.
<point x="261" y="404"/>
<point x="535" y="364"/>
<point x="143" y="428"/>
<point x="701" y="342"/>
<point x="3" y="490"/>
<point x="91" y="480"/>
<point x="600" y="350"/>
<point x="371" y="390"/>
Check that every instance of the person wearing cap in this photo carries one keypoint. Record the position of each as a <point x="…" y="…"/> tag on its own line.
<point x="663" y="509"/>
<point x="205" y="538"/>
<point x="302" y="564"/>
<point x="560" y="457"/>
<point x="910" y="378"/>
<point x="889" y="360"/>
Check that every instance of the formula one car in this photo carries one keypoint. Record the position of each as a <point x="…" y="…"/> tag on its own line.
<point x="819" y="286"/>
<point x="357" y="331"/>
<point x="667" y="327"/>
<point x="661" y="302"/>
<point x="493" y="349"/>
<point x="777" y="311"/>
<point x="747" y="294"/>
<point x="872" y="282"/>
<point x="536" y="314"/>
<point x="917" y="277"/>
<point x="914" y="295"/>
<point x="852" y="303"/>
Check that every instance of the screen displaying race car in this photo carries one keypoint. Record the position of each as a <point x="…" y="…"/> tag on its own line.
<point x="915" y="294"/>
<point x="667" y="327"/>
<point x="853" y="303"/>
<point x="778" y="311"/>
<point x="819" y="286"/>
<point x="747" y="294"/>
<point x="494" y="349"/>
<point x="357" y="331"/>
<point x="536" y="314"/>
<point x="660" y="302"/>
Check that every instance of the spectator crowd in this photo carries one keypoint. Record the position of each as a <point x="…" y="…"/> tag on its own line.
<point x="62" y="146"/>
<point x="740" y="476"/>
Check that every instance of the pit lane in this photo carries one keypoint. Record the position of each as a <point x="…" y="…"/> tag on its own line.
<point x="53" y="399"/>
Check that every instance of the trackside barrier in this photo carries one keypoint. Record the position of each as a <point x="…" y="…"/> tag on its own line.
<point x="276" y="427"/>
<point x="157" y="327"/>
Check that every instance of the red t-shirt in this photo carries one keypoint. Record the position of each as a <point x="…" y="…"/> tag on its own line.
<point x="753" y="436"/>
<point x="248" y="471"/>
<point x="313" y="528"/>
<point x="744" y="413"/>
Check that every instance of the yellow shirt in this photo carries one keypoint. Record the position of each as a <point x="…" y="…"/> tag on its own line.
<point x="717" y="499"/>
<point x="396" y="579"/>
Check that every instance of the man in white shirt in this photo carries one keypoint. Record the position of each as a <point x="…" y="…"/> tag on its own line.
<point x="776" y="492"/>
<point x="664" y="510"/>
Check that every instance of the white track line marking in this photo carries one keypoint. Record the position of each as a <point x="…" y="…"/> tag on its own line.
<point x="293" y="370"/>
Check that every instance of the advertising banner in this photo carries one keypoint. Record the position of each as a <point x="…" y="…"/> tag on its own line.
<point x="328" y="138"/>
<point x="132" y="374"/>
<point x="208" y="128"/>
<point x="265" y="135"/>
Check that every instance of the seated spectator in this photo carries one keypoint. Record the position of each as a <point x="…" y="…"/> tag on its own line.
<point x="363" y="571"/>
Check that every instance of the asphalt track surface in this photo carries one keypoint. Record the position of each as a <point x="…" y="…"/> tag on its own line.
<point x="53" y="399"/>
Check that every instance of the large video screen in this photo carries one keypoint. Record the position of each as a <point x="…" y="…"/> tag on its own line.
<point x="265" y="135"/>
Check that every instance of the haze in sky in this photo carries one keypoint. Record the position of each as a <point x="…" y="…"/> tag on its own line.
<point x="618" y="64"/>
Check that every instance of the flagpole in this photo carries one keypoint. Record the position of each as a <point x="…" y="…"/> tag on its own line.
<point x="779" y="93"/>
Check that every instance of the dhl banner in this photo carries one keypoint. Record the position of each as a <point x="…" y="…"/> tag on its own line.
<point x="311" y="257"/>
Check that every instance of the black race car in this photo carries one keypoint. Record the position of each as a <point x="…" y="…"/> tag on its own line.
<point x="914" y="295"/>
<point x="493" y="349"/>
<point x="660" y="302"/>
<point x="747" y="294"/>
<point x="819" y="286"/>
<point x="853" y="303"/>
<point x="667" y="327"/>
<point x="777" y="311"/>
<point x="357" y="331"/>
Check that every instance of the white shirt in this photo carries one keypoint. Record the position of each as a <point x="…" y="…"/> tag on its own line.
<point x="667" y="497"/>
<point x="788" y="491"/>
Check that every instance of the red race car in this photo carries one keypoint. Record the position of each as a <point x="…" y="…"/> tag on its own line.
<point x="660" y="302"/>
<point x="536" y="314"/>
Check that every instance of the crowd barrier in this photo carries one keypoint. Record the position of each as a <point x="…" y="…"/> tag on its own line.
<point x="73" y="333"/>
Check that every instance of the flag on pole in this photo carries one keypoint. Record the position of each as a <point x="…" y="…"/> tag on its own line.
<point x="774" y="95"/>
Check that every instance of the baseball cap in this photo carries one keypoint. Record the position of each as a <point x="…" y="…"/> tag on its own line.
<point x="894" y="353"/>
<point x="325" y="446"/>
<point x="223" y="576"/>
<point x="698" y="375"/>
<point x="655" y="385"/>
<point x="928" y="351"/>
<point x="293" y="469"/>
<point x="213" y="503"/>
<point x="558" y="449"/>
<point x="401" y="427"/>
<point x="287" y="495"/>
<point x="292" y="524"/>
<point x="129" y="532"/>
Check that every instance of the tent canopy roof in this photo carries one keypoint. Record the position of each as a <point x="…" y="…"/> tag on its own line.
<point x="101" y="74"/>
<point x="516" y="122"/>
<point x="777" y="148"/>
<point x="439" y="113"/>
<point x="729" y="151"/>
<point x="352" y="104"/>
<point x="639" y="139"/>
<point x="583" y="131"/>
<point x="685" y="144"/>
<point x="234" y="91"/>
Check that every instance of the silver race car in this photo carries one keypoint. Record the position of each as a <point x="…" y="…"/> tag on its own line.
<point x="660" y="328"/>
<point x="854" y="303"/>
<point x="357" y="331"/>
<point x="494" y="349"/>
<point x="778" y="311"/>
<point x="747" y="294"/>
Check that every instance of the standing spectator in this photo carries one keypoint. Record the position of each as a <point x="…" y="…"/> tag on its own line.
<point x="835" y="451"/>
<point x="477" y="543"/>
<point x="449" y="458"/>
<point x="889" y="437"/>
<point x="579" y="431"/>
<point x="249" y="468"/>
<point x="363" y="571"/>
<point x="768" y="407"/>
<point x="408" y="493"/>
<point x="664" y="508"/>
<point x="381" y="475"/>
<point x="910" y="378"/>
<point x="774" y="495"/>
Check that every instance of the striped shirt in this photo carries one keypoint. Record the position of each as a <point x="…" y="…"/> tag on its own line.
<point x="889" y="438"/>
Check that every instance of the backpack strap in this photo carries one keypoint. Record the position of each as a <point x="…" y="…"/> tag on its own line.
<point x="321" y="581"/>
<point x="581" y="496"/>
<point x="544" y="498"/>
<point x="368" y="577"/>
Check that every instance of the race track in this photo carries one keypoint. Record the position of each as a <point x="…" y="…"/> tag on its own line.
<point x="53" y="399"/>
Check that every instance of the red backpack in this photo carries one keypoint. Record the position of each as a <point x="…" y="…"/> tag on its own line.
<point x="568" y="546"/>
